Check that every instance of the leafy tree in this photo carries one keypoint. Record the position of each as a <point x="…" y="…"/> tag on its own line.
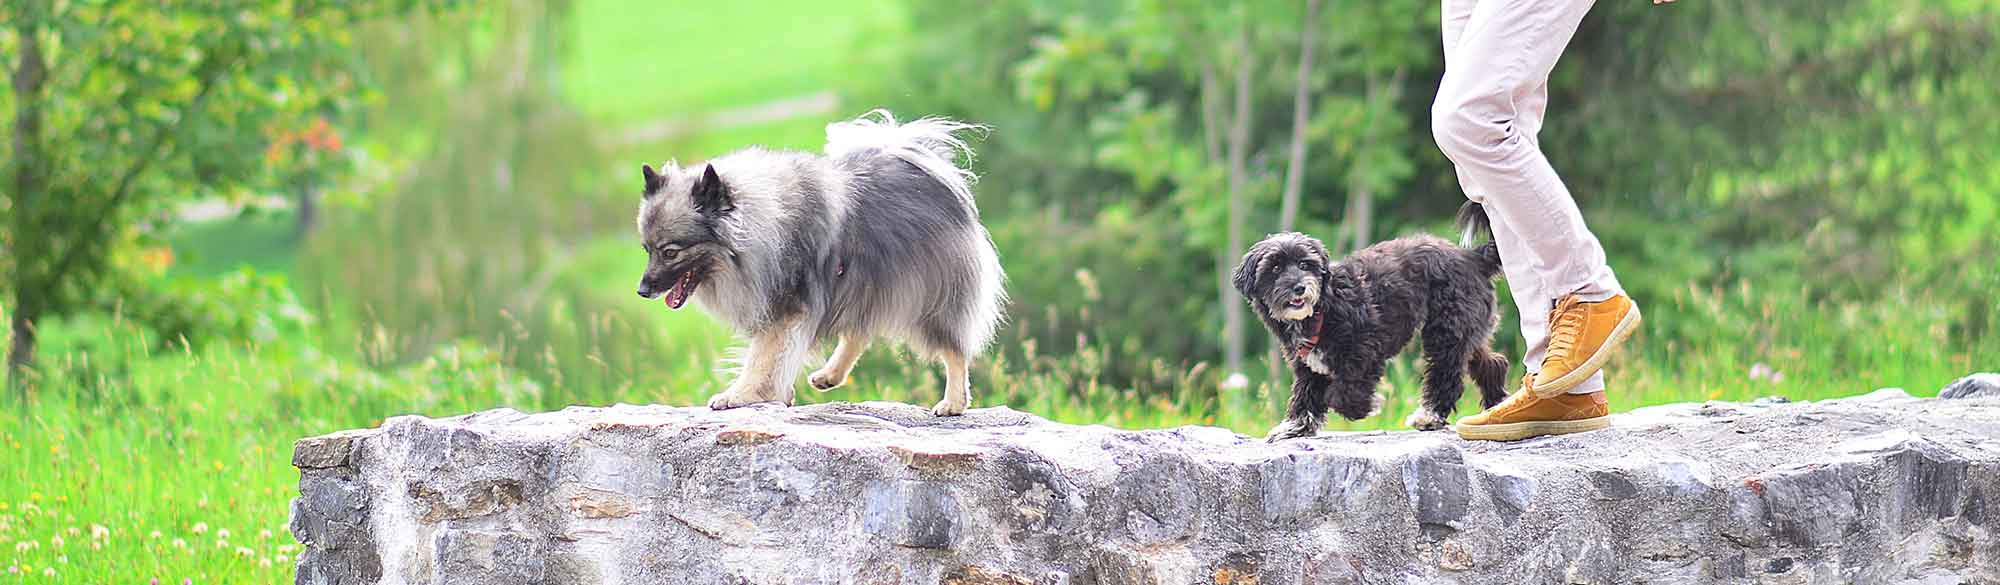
<point x="1844" y="148"/>
<point x="1182" y="118"/>
<point x="122" y="108"/>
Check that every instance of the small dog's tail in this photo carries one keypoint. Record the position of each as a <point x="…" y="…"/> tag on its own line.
<point x="1472" y="221"/>
<point x="930" y="143"/>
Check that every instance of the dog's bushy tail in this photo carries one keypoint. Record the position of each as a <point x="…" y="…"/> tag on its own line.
<point x="932" y="144"/>
<point x="1472" y="222"/>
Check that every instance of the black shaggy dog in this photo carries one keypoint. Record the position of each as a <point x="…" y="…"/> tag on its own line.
<point x="1338" y="323"/>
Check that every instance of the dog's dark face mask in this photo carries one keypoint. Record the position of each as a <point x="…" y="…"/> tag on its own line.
<point x="681" y="232"/>
<point x="1284" y="275"/>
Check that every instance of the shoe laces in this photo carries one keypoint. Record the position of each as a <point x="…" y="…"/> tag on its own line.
<point x="1520" y="398"/>
<point x="1566" y="325"/>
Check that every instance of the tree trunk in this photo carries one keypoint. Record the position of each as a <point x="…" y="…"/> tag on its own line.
<point x="1360" y="216"/>
<point x="1211" y="138"/>
<point x="1295" y="170"/>
<point x="1211" y="112"/>
<point x="306" y="216"/>
<point x="29" y="73"/>
<point x="1359" y="223"/>
<point x="21" y="353"/>
<point x="1239" y="147"/>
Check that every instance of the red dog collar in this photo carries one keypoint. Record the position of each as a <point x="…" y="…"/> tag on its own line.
<point x="1306" y="347"/>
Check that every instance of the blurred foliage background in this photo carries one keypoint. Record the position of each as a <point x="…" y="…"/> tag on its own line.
<point x="225" y="225"/>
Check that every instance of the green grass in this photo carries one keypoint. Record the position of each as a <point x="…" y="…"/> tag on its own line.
<point x="636" y="60"/>
<point x="804" y="133"/>
<point x="632" y="63"/>
<point x="174" y="464"/>
<point x="263" y="241"/>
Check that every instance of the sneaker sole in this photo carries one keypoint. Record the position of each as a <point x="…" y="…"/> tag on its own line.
<point x="1626" y="326"/>
<point x="1528" y="430"/>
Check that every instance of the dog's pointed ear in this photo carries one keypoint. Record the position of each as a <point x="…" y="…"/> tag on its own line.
<point x="654" y="181"/>
<point x="1245" y="276"/>
<point x="711" y="195"/>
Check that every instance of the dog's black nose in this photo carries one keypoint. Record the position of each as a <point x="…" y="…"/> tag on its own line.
<point x="1298" y="289"/>
<point x="645" y="294"/>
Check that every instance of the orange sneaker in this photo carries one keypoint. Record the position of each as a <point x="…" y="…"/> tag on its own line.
<point x="1582" y="335"/>
<point x="1525" y="415"/>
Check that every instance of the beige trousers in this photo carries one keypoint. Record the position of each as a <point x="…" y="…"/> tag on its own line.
<point x="1498" y="55"/>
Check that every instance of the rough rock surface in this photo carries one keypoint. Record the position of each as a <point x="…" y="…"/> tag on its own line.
<point x="1885" y="489"/>
<point x="1986" y="385"/>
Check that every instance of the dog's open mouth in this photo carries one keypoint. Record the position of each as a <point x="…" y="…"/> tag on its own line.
<point x="1297" y="306"/>
<point x="682" y="290"/>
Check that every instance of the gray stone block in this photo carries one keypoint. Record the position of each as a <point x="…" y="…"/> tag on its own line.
<point x="1872" y="491"/>
<point x="1984" y="385"/>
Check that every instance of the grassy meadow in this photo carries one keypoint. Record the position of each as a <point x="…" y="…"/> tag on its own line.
<point x="144" y="457"/>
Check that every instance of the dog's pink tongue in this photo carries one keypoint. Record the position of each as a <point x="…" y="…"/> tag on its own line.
<point x="677" y="296"/>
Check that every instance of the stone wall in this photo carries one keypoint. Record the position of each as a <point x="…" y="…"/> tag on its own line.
<point x="1876" y="489"/>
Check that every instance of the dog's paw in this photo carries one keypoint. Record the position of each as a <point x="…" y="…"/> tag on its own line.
<point x="824" y="380"/>
<point x="736" y="397"/>
<point x="1290" y="429"/>
<point x="730" y="399"/>
<point x="949" y="407"/>
<point x="1424" y="420"/>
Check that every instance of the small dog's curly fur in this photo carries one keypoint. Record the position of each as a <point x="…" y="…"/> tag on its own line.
<point x="1338" y="323"/>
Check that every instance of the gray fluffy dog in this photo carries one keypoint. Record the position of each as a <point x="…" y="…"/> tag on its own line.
<point x="876" y="238"/>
